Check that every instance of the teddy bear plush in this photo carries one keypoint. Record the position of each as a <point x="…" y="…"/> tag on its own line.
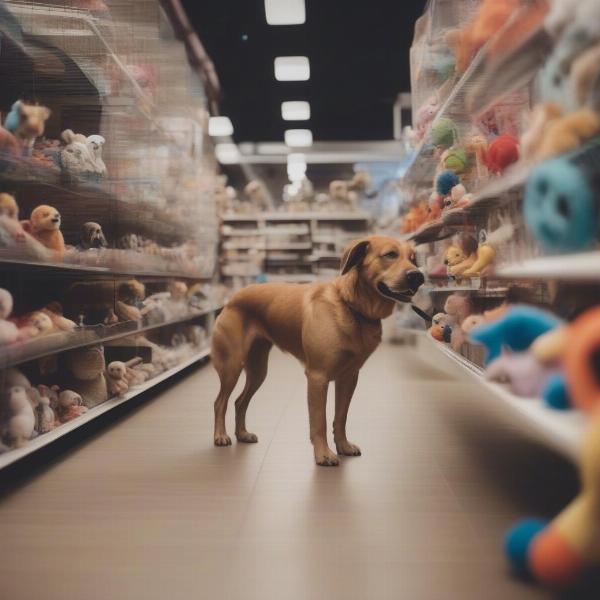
<point x="33" y="325"/>
<point x="44" y="226"/>
<point x="55" y="312"/>
<point x="85" y="374"/>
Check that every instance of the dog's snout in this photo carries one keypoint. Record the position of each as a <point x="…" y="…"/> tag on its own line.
<point x="415" y="279"/>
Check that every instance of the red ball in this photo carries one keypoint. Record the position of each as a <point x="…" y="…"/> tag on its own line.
<point x="501" y="153"/>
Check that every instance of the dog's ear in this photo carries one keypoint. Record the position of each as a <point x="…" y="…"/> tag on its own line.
<point x="353" y="255"/>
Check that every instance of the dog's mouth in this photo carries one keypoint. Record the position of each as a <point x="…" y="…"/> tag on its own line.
<point x="398" y="296"/>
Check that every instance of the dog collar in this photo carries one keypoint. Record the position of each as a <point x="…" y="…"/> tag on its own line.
<point x="360" y="317"/>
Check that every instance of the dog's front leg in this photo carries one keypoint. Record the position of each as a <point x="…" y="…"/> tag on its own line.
<point x="344" y="388"/>
<point x="317" y="402"/>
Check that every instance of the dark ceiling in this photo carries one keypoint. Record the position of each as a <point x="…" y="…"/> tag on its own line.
<point x="358" y="54"/>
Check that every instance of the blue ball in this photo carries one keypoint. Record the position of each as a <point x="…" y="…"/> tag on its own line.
<point x="445" y="181"/>
<point x="517" y="542"/>
<point x="559" y="206"/>
<point x="555" y="393"/>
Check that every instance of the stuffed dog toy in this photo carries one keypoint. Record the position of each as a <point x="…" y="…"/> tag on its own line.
<point x="331" y="328"/>
<point x="92" y="236"/>
<point x="44" y="226"/>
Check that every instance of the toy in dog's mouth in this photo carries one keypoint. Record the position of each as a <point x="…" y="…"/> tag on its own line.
<point x="403" y="296"/>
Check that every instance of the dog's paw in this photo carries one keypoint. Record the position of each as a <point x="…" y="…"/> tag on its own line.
<point x="222" y="440"/>
<point x="346" y="448"/>
<point x="327" y="459"/>
<point x="245" y="437"/>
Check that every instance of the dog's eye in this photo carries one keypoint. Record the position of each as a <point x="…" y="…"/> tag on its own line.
<point x="392" y="254"/>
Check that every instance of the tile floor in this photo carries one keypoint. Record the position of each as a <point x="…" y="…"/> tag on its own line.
<point x="149" y="509"/>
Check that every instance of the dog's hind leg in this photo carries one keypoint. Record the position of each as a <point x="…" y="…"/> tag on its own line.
<point x="228" y="361"/>
<point x="256" y="371"/>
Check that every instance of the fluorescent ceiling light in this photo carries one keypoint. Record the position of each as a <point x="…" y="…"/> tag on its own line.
<point x="292" y="68"/>
<point x="220" y="127"/>
<point x="285" y="12"/>
<point x="295" y="111"/>
<point x="227" y="154"/>
<point x="298" y="138"/>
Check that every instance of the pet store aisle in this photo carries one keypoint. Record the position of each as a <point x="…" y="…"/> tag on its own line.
<point x="150" y="509"/>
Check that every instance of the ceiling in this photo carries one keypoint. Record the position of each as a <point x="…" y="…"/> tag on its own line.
<point x="358" y="54"/>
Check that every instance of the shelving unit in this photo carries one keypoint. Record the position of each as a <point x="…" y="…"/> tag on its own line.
<point x="149" y="290"/>
<point x="50" y="437"/>
<point x="560" y="430"/>
<point x="287" y="246"/>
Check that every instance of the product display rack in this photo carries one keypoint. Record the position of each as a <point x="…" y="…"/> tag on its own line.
<point x="287" y="246"/>
<point x="562" y="283"/>
<point x="123" y="145"/>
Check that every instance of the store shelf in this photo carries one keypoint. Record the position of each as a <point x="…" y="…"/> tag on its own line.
<point x="584" y="266"/>
<point x="476" y="287"/>
<point x="292" y="278"/>
<point x="307" y="216"/>
<point x="560" y="430"/>
<point x="129" y="263"/>
<point x="47" y="438"/>
<point x="19" y="353"/>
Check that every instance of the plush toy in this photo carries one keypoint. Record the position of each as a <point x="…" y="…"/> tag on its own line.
<point x="55" y="312"/>
<point x="525" y="375"/>
<point x="584" y="75"/>
<point x="9" y="332"/>
<point x="566" y="133"/>
<point x="69" y="406"/>
<point x="178" y="291"/>
<point x="92" y="236"/>
<point x="26" y="122"/>
<point x="490" y="17"/>
<point x="444" y="133"/>
<point x="82" y="156"/>
<point x="258" y="195"/>
<point x="461" y="255"/>
<point x="340" y="193"/>
<point x="472" y="322"/>
<point x="133" y="374"/>
<point x="8" y="206"/>
<point x="130" y="295"/>
<point x="488" y="249"/>
<point x="516" y="330"/>
<point x="85" y="374"/>
<point x="557" y="553"/>
<point x="541" y="116"/>
<point x="95" y="143"/>
<point x="458" y="198"/>
<point x="501" y="153"/>
<point x="436" y="204"/>
<point x="9" y="146"/>
<point x="93" y="302"/>
<point x="116" y="373"/>
<point x="415" y="217"/>
<point x="35" y="324"/>
<point x="458" y="307"/>
<point x="455" y="159"/>
<point x="445" y="181"/>
<point x="560" y="201"/>
<point x="425" y="115"/>
<point x="44" y="226"/>
<point x="441" y="327"/>
<point x="18" y="425"/>
<point x="44" y="415"/>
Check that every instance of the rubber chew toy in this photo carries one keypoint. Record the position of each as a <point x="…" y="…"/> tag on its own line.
<point x="559" y="206"/>
<point x="557" y="553"/>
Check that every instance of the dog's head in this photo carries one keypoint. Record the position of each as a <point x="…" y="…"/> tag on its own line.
<point x="386" y="265"/>
<point x="93" y="236"/>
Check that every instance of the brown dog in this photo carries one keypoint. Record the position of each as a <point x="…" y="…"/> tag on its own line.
<point x="331" y="328"/>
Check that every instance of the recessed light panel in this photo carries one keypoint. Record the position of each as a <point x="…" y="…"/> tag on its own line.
<point x="292" y="68"/>
<point x="285" y="12"/>
<point x="297" y="110"/>
<point x="298" y="138"/>
<point x="220" y="127"/>
<point x="227" y="154"/>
